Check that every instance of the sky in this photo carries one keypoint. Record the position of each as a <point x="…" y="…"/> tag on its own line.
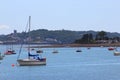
<point x="75" y="15"/>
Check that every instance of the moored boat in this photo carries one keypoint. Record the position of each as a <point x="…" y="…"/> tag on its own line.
<point x="39" y="51"/>
<point x="1" y="56"/>
<point x="32" y="59"/>
<point x="9" y="52"/>
<point x="78" y="50"/>
<point x="31" y="62"/>
<point x="55" y="51"/>
<point x="111" y="48"/>
<point x="116" y="53"/>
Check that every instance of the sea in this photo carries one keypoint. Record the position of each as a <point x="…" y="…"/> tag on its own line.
<point x="96" y="63"/>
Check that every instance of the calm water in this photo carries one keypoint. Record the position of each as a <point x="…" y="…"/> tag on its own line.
<point x="93" y="64"/>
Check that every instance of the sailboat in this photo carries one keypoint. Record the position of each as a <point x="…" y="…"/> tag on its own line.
<point x="10" y="51"/>
<point x="33" y="59"/>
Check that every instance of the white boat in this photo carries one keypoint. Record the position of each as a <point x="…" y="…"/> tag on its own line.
<point x="33" y="59"/>
<point x="116" y="53"/>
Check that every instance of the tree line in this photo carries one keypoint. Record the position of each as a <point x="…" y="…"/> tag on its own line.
<point x="101" y="37"/>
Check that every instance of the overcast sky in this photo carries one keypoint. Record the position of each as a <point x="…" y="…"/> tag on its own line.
<point x="78" y="15"/>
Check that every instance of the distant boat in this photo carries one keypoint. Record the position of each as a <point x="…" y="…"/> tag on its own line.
<point x="55" y="51"/>
<point x="78" y="50"/>
<point x="9" y="52"/>
<point x="116" y="53"/>
<point x="111" y="48"/>
<point x="39" y="51"/>
<point x="88" y="47"/>
<point x="1" y="56"/>
<point x="33" y="59"/>
<point x="32" y="49"/>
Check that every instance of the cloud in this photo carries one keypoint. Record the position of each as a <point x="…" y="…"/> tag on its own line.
<point x="4" y="27"/>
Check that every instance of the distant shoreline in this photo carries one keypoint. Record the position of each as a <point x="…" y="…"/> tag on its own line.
<point x="77" y="45"/>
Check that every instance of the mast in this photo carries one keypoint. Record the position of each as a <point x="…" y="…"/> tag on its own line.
<point x="29" y="36"/>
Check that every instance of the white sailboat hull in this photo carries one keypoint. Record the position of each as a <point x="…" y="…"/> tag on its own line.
<point x="31" y="62"/>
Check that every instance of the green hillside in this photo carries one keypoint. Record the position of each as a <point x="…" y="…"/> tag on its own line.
<point x="51" y="36"/>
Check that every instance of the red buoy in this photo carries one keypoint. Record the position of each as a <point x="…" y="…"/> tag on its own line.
<point x="12" y="65"/>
